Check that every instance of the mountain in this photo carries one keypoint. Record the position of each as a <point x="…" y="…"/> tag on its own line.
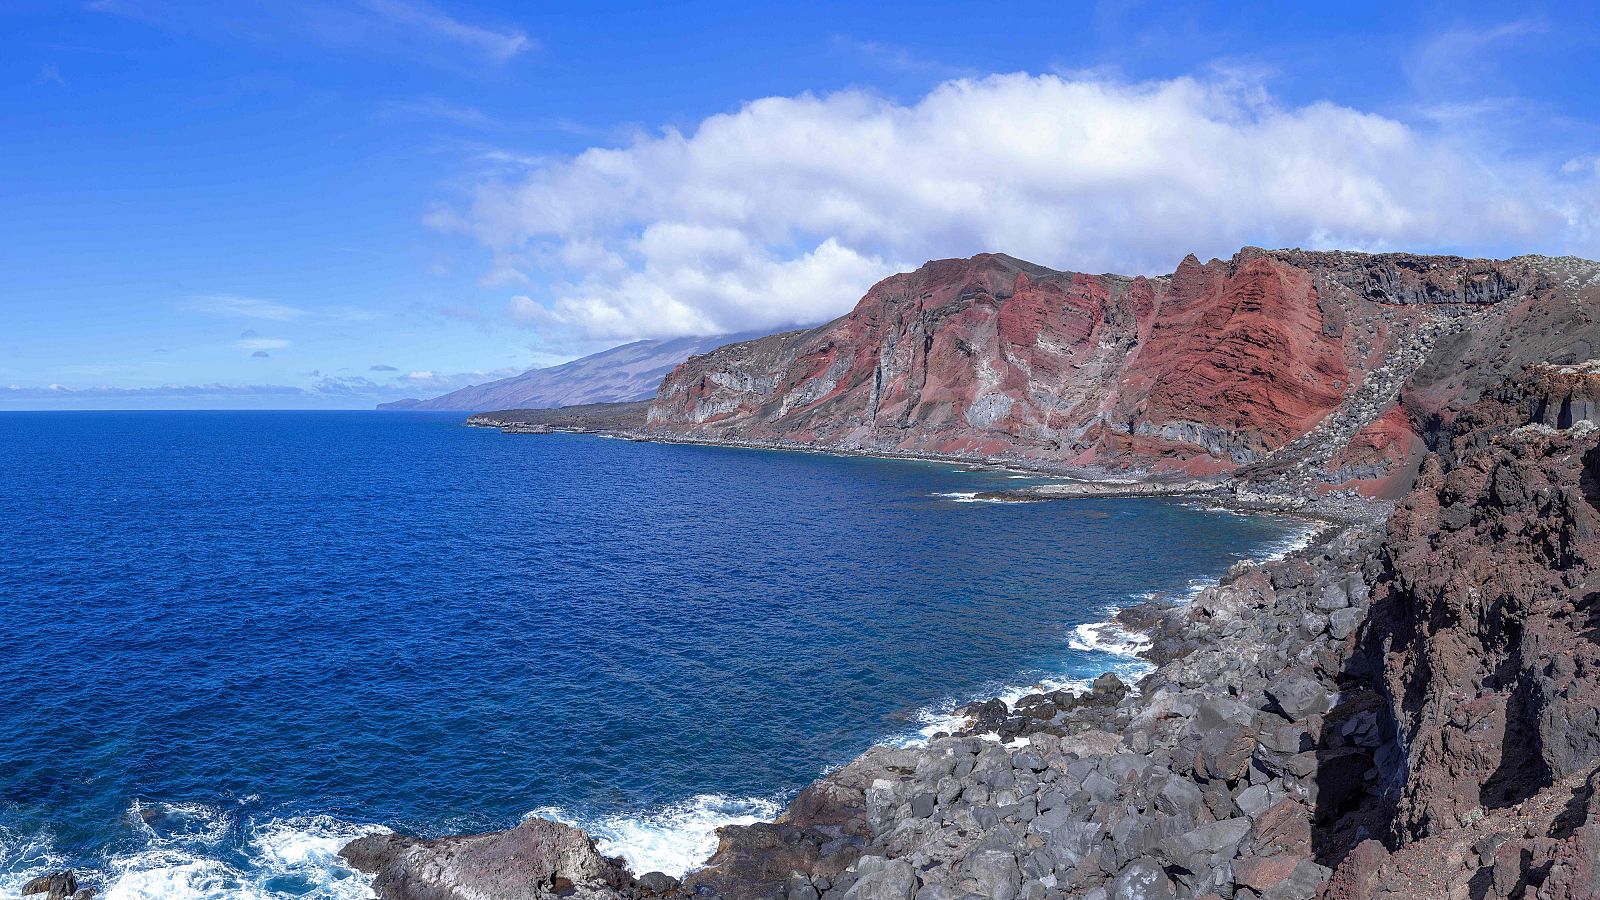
<point x="629" y="372"/>
<point x="1324" y="369"/>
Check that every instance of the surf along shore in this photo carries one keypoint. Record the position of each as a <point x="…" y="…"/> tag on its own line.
<point x="1042" y="794"/>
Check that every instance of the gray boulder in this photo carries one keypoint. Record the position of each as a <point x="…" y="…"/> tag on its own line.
<point x="1142" y="879"/>
<point x="883" y="879"/>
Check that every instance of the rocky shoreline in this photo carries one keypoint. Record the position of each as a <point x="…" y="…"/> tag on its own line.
<point x="1004" y="807"/>
<point x="1404" y="708"/>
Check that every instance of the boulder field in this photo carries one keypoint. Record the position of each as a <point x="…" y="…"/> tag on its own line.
<point x="1407" y="708"/>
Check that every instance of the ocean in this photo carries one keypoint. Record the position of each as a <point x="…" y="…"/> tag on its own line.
<point x="233" y="641"/>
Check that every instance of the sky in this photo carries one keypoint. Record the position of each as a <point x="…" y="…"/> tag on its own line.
<point x="334" y="203"/>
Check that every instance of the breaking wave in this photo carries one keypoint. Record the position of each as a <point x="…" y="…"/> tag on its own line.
<point x="1115" y="649"/>
<point x="189" y="851"/>
<point x="672" y="839"/>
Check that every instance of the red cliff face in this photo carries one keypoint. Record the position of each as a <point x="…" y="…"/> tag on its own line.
<point x="1218" y="367"/>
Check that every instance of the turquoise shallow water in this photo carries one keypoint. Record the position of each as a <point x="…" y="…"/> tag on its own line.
<point x="234" y="640"/>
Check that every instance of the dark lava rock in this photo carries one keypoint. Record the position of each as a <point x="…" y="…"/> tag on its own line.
<point x="537" y="859"/>
<point x="657" y="883"/>
<point x="55" y="886"/>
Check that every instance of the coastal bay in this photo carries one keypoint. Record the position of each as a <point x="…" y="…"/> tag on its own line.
<point x="464" y="632"/>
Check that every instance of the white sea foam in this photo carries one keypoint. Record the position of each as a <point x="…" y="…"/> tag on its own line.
<point x="1121" y="645"/>
<point x="1294" y="542"/>
<point x="198" y="852"/>
<point x="945" y="717"/>
<point x="24" y="858"/>
<point x="972" y="497"/>
<point x="1106" y="637"/>
<point x="673" y="839"/>
<point x="307" y="849"/>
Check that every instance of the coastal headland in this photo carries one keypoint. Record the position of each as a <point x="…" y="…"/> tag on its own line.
<point x="1403" y="708"/>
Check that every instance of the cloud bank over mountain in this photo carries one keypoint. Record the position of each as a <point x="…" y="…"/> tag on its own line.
<point x="786" y="209"/>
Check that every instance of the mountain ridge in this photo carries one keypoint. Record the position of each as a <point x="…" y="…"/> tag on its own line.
<point x="1215" y="370"/>
<point x="620" y="374"/>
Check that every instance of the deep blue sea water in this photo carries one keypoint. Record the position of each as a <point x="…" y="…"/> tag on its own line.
<point x="231" y="641"/>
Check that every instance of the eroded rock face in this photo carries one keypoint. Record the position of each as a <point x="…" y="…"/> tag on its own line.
<point x="1484" y="642"/>
<point x="1209" y="370"/>
<point x="537" y="859"/>
<point x="1488" y="611"/>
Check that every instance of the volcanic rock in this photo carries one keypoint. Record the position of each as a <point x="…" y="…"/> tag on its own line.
<point x="536" y="859"/>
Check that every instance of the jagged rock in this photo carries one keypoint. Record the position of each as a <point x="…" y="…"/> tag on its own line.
<point x="1298" y="697"/>
<point x="1281" y="877"/>
<point x="536" y="859"/>
<point x="55" y="886"/>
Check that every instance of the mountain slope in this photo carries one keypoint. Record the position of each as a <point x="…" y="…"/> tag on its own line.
<point x="629" y="372"/>
<point x="1217" y="368"/>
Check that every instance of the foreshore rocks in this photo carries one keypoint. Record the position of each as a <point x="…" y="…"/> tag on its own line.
<point x="57" y="886"/>
<point x="537" y="859"/>
<point x="1205" y="780"/>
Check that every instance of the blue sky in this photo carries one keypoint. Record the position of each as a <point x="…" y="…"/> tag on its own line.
<point x="329" y="203"/>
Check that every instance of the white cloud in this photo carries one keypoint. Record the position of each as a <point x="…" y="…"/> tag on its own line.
<point x="233" y="306"/>
<point x="787" y="209"/>
<point x="261" y="343"/>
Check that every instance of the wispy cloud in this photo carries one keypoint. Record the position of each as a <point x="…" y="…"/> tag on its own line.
<point x="233" y="306"/>
<point x="895" y="58"/>
<point x="49" y="74"/>
<point x="1463" y="55"/>
<point x="410" y="28"/>
<point x="437" y="109"/>
<point x="382" y="368"/>
<point x="260" y="344"/>
<point x="424" y="19"/>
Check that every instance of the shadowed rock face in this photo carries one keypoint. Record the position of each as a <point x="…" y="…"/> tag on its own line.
<point x="1205" y="371"/>
<point x="1484" y="641"/>
<point x="1489" y="610"/>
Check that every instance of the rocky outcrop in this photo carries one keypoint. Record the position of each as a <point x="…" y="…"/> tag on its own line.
<point x="1288" y="366"/>
<point x="537" y="859"/>
<point x="57" y="886"/>
<point x="1484" y="643"/>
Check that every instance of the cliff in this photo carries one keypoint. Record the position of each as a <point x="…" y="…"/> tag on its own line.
<point x="1484" y="644"/>
<point x="1284" y="366"/>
